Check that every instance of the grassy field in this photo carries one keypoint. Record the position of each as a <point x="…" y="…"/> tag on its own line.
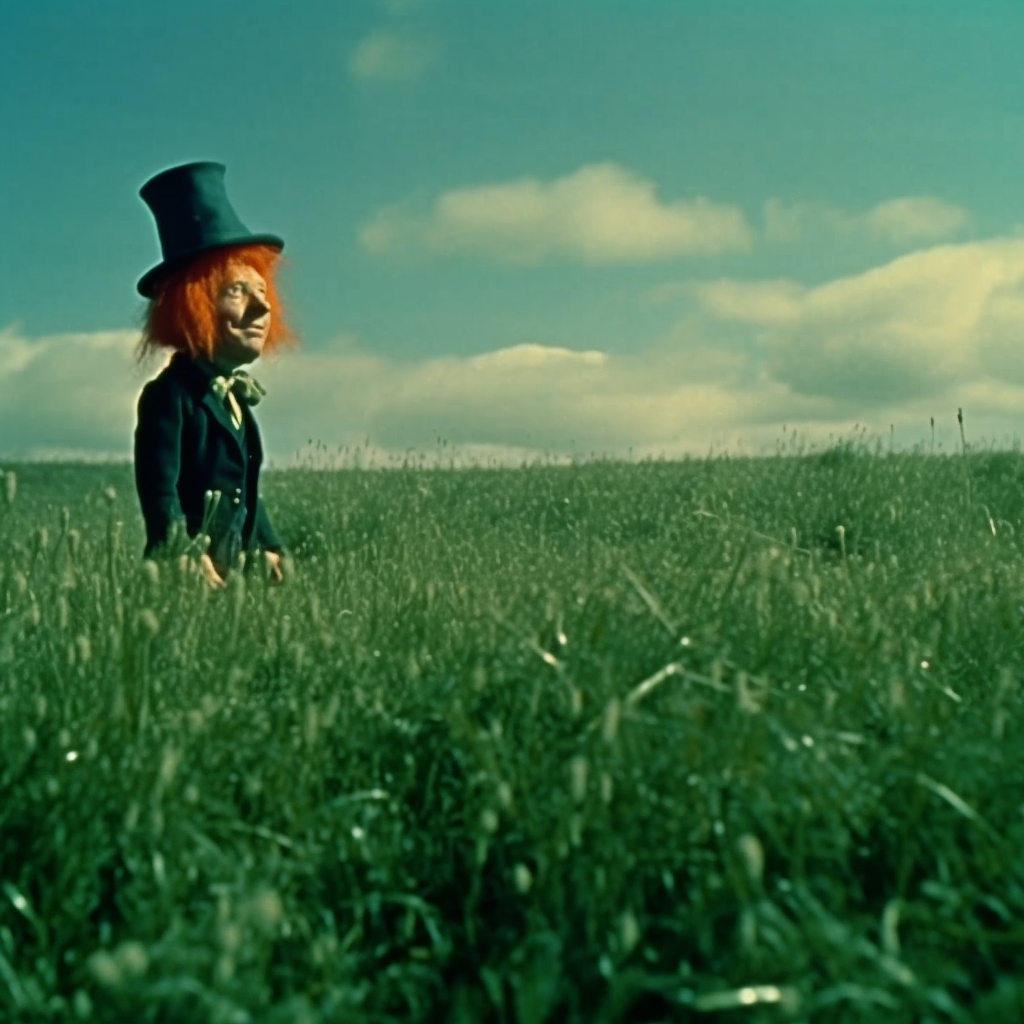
<point x="725" y="739"/>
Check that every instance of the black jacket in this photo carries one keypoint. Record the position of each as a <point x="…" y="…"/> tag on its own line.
<point x="186" y="445"/>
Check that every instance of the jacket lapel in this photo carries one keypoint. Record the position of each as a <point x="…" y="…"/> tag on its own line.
<point x="217" y="407"/>
<point x="220" y="413"/>
<point x="253" y="439"/>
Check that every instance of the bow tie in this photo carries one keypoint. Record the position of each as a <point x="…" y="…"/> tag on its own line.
<point x="240" y="385"/>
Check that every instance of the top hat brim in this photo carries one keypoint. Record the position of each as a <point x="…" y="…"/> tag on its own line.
<point x="151" y="280"/>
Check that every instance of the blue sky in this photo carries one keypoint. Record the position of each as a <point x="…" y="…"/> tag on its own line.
<point x="533" y="226"/>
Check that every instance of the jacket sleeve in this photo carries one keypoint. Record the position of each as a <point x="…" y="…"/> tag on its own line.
<point x="266" y="538"/>
<point x="158" y="462"/>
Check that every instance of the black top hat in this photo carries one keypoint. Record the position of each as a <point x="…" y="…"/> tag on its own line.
<point x="193" y="215"/>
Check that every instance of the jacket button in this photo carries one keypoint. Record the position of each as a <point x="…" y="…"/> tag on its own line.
<point x="238" y="490"/>
<point x="236" y="501"/>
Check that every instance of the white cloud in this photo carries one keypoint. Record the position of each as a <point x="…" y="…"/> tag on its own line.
<point x="500" y="407"/>
<point x="528" y="398"/>
<point x="916" y="219"/>
<point x="904" y="221"/>
<point x="390" y="55"/>
<point x="916" y="337"/>
<point x="789" y="222"/>
<point x="532" y="357"/>
<point x="921" y="324"/>
<point x="67" y="392"/>
<point x="758" y="302"/>
<point x="600" y="214"/>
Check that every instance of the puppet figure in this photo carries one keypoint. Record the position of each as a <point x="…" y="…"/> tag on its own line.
<point x="214" y="303"/>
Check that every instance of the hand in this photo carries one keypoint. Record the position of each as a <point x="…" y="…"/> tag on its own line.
<point x="211" y="575"/>
<point x="275" y="566"/>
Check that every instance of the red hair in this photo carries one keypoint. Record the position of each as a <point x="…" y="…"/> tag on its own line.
<point x="183" y="313"/>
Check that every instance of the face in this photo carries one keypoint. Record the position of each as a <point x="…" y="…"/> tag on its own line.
<point x="243" y="316"/>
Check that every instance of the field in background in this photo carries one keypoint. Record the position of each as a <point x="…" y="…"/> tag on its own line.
<point x="726" y="739"/>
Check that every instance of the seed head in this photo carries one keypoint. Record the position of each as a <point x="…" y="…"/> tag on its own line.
<point x="169" y="765"/>
<point x="105" y="969"/>
<point x="265" y="910"/>
<point x="148" y="621"/>
<point x="629" y="931"/>
<point x="612" y="714"/>
<point x="578" y="769"/>
<point x="83" y="648"/>
<point x="505" y="796"/>
<point x="523" y="878"/>
<point x="752" y="855"/>
<point x="230" y="936"/>
<point x="132" y="959"/>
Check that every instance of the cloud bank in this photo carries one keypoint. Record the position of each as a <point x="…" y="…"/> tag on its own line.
<point x="68" y="394"/>
<point x="600" y="214"/>
<point x="909" y="220"/>
<point x="912" y="338"/>
<point x="917" y="326"/>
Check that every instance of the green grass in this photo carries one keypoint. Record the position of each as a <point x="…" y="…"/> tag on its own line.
<point x="728" y="739"/>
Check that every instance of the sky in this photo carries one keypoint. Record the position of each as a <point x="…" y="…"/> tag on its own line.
<point x="533" y="228"/>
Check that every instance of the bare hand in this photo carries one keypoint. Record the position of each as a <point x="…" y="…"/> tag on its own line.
<point x="275" y="566"/>
<point x="211" y="575"/>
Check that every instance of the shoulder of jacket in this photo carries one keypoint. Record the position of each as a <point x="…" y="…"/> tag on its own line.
<point x="167" y="388"/>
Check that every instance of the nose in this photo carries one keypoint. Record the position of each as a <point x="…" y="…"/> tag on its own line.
<point x="257" y="305"/>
